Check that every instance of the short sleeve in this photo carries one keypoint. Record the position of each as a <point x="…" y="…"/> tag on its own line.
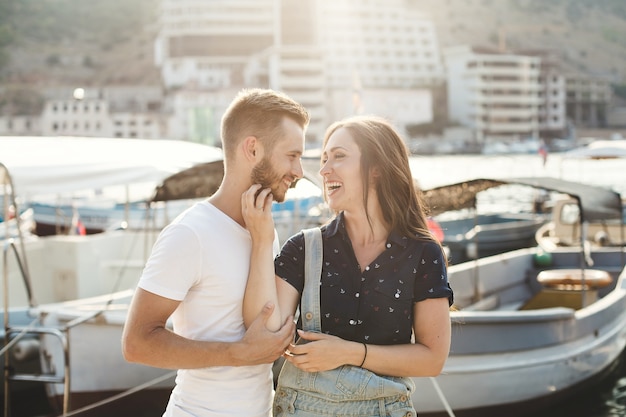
<point x="431" y="275"/>
<point x="174" y="264"/>
<point x="289" y="264"/>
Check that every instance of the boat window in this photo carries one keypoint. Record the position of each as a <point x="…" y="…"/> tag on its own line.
<point x="570" y="214"/>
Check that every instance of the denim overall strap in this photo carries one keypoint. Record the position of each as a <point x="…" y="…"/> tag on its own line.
<point x="310" y="304"/>
<point x="348" y="391"/>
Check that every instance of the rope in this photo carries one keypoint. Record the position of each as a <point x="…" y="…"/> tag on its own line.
<point x="442" y="397"/>
<point x="120" y="395"/>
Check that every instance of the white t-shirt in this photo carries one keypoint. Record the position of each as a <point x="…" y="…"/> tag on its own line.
<point x="202" y="259"/>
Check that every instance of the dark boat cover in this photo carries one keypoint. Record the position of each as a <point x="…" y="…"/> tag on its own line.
<point x="596" y="203"/>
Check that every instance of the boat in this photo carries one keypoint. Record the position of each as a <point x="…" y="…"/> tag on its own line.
<point x="66" y="295"/>
<point x="470" y="232"/>
<point x="531" y="327"/>
<point x="95" y="215"/>
<point x="24" y="223"/>
<point x="101" y="182"/>
<point x="563" y="230"/>
<point x="599" y="149"/>
<point x="38" y="270"/>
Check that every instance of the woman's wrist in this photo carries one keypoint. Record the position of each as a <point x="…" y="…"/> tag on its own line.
<point x="364" y="355"/>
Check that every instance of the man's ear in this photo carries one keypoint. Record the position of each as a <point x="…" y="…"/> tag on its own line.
<point x="250" y="147"/>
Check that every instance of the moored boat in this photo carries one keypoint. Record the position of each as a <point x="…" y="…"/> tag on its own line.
<point x="471" y="231"/>
<point x="72" y="286"/>
<point x="564" y="230"/>
<point x="533" y="326"/>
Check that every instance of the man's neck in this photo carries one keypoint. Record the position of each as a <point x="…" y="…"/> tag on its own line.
<point x="227" y="199"/>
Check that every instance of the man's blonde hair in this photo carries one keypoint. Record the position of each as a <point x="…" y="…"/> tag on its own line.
<point x="259" y="112"/>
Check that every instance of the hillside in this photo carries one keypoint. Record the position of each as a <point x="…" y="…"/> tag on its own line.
<point x="75" y="41"/>
<point x="56" y="42"/>
<point x="588" y="35"/>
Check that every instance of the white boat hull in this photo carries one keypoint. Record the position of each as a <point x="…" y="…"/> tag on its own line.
<point x="499" y="358"/>
<point x="98" y="370"/>
<point x="472" y="382"/>
<point x="503" y="358"/>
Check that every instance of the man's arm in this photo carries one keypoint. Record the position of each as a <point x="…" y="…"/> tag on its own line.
<point x="146" y="339"/>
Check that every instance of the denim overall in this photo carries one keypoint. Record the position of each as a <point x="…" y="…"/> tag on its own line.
<point x="347" y="391"/>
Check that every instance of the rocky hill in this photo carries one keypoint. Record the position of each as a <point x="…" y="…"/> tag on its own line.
<point x="99" y="42"/>
<point x="63" y="42"/>
<point x="590" y="36"/>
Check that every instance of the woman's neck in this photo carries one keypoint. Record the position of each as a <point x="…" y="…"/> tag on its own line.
<point x="363" y="231"/>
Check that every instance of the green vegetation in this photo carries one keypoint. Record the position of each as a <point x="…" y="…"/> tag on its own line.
<point x="73" y="40"/>
<point x="6" y="32"/>
<point x="611" y="35"/>
<point x="79" y="20"/>
<point x="20" y="101"/>
<point x="574" y="9"/>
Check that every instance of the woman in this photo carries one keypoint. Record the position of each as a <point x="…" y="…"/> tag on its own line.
<point x="383" y="294"/>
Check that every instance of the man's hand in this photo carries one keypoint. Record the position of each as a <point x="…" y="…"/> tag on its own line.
<point x="259" y="345"/>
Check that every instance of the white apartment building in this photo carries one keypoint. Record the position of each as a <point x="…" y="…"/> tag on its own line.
<point x="20" y="125"/>
<point x="552" y="109"/>
<point x="206" y="44"/>
<point x="137" y="125"/>
<point x="219" y="46"/>
<point x="552" y="115"/>
<point x="72" y="117"/>
<point x="379" y="57"/>
<point x="310" y="49"/>
<point x="496" y="94"/>
<point x="388" y="44"/>
<point x="299" y="72"/>
<point x="113" y="111"/>
<point x="135" y="111"/>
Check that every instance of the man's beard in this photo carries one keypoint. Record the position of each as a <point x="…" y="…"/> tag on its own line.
<point x="264" y="174"/>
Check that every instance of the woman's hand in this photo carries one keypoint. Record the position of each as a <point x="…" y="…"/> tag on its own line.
<point x="323" y="352"/>
<point x="256" y="208"/>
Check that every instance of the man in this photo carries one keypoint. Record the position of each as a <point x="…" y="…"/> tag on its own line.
<point x="198" y="269"/>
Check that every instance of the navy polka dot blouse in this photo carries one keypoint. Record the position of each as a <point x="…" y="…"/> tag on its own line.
<point x="376" y="305"/>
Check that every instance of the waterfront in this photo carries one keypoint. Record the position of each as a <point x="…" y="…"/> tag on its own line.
<point x="606" y="399"/>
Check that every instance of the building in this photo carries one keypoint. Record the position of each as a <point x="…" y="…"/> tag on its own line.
<point x="112" y="111"/>
<point x="19" y="125"/>
<point x="387" y="44"/>
<point x="325" y="54"/>
<point x="496" y="94"/>
<point x="587" y="99"/>
<point x="552" y="109"/>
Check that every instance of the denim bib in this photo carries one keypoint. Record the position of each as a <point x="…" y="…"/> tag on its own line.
<point x="347" y="390"/>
